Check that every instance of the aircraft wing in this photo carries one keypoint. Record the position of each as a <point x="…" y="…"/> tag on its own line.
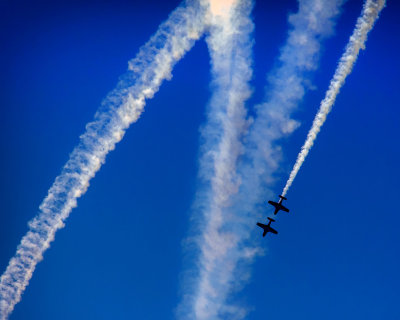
<point x="267" y="228"/>
<point x="272" y="230"/>
<point x="278" y="206"/>
<point x="275" y="204"/>
<point x="284" y="208"/>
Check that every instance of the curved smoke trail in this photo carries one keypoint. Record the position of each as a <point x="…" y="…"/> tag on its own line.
<point x="122" y="107"/>
<point x="365" y="22"/>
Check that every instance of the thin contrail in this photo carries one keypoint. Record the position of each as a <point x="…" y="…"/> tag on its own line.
<point x="365" y="22"/>
<point x="230" y="45"/>
<point x="228" y="205"/>
<point x="122" y="107"/>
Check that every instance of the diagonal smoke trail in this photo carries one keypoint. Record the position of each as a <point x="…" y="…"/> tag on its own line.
<point x="122" y="106"/>
<point x="286" y="86"/>
<point x="226" y="249"/>
<point x="230" y="45"/>
<point x="365" y="23"/>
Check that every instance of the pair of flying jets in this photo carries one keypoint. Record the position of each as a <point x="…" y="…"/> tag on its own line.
<point x="278" y="206"/>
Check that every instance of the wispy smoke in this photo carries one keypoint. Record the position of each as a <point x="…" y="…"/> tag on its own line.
<point x="365" y="22"/>
<point x="238" y="157"/>
<point x="230" y="45"/>
<point x="121" y="107"/>
<point x="233" y="188"/>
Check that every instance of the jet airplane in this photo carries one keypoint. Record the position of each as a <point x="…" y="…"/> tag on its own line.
<point x="267" y="228"/>
<point x="278" y="205"/>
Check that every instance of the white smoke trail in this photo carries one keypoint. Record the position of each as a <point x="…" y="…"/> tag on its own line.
<point x="228" y="204"/>
<point x="121" y="107"/>
<point x="365" y="22"/>
<point x="230" y="46"/>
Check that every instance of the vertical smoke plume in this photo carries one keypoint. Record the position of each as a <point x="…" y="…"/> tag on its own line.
<point x="235" y="187"/>
<point x="365" y="22"/>
<point x="230" y="45"/>
<point x="121" y="107"/>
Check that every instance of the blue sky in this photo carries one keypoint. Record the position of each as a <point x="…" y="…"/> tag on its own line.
<point x="120" y="255"/>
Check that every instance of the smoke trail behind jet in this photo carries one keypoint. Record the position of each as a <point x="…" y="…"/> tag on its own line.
<point x="365" y="23"/>
<point x="122" y="107"/>
<point x="286" y="86"/>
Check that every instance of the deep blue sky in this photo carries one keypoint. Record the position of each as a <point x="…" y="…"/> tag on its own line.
<point x="120" y="254"/>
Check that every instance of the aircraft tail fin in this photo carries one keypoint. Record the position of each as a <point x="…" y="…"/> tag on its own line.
<point x="270" y="219"/>
<point x="282" y="197"/>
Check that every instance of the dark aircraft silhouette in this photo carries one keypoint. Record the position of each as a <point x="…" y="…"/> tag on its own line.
<point x="267" y="228"/>
<point x="278" y="206"/>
